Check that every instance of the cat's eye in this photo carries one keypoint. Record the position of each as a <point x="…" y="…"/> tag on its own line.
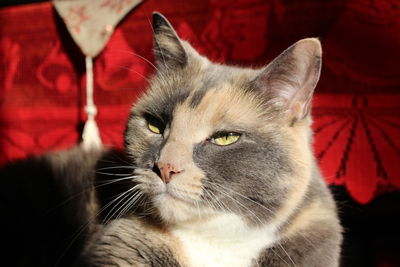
<point x="153" y="128"/>
<point x="154" y="124"/>
<point x="225" y="138"/>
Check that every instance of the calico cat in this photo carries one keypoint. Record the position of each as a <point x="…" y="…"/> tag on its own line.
<point x="219" y="169"/>
<point x="223" y="161"/>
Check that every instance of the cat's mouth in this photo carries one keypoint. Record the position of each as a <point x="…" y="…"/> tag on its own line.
<point x="169" y="194"/>
<point x="175" y="205"/>
<point x="178" y="196"/>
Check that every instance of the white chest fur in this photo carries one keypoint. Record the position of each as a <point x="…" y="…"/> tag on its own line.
<point x="223" y="241"/>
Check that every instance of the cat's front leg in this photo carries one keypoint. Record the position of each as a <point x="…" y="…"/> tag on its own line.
<point x="129" y="242"/>
<point x="319" y="246"/>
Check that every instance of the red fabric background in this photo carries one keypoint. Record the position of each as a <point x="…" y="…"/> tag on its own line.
<point x="356" y="107"/>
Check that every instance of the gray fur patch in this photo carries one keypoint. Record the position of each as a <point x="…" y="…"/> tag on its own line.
<point x="319" y="245"/>
<point x="245" y="176"/>
<point x="127" y="242"/>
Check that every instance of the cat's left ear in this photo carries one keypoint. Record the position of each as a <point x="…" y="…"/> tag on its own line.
<point x="289" y="81"/>
<point x="169" y="52"/>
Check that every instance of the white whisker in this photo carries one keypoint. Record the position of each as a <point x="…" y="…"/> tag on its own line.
<point x="139" y="56"/>
<point x="111" y="181"/>
<point x="279" y="256"/>
<point x="111" y="173"/>
<point x="128" y="204"/>
<point x="122" y="197"/>
<point x="241" y="195"/>
<point x="79" y="231"/>
<point x="240" y="204"/>
<point x="287" y="254"/>
<point x="116" y="167"/>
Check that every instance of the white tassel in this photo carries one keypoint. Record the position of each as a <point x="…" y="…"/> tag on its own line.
<point x="91" y="135"/>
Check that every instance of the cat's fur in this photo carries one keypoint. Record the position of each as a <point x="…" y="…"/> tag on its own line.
<point x="260" y="201"/>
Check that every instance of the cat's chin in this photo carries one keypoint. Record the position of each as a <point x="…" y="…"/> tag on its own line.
<point x="174" y="209"/>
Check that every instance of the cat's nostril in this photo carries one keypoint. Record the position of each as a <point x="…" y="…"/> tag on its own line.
<point x="156" y="170"/>
<point x="167" y="170"/>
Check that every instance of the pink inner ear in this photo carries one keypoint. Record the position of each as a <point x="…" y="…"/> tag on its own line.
<point x="296" y="109"/>
<point x="289" y="81"/>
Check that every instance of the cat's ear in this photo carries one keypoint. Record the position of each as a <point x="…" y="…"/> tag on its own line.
<point x="289" y="80"/>
<point x="168" y="49"/>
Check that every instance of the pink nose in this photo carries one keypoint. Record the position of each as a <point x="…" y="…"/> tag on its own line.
<point x="167" y="170"/>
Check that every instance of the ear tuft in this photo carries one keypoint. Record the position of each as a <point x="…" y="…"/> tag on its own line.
<point x="168" y="50"/>
<point x="290" y="79"/>
<point x="159" y="21"/>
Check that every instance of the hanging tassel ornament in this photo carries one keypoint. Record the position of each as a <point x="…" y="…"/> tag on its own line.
<point x="91" y="24"/>
<point x="90" y="136"/>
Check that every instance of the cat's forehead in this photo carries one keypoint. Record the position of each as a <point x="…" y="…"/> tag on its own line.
<point x="221" y="107"/>
<point x="208" y="92"/>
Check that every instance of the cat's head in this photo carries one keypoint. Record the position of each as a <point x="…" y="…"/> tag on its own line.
<point x="210" y="139"/>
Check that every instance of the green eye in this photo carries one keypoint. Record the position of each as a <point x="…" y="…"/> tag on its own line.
<point x="224" y="139"/>
<point x="153" y="128"/>
<point x="154" y="124"/>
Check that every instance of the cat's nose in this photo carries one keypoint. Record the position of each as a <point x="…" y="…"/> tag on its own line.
<point x="167" y="170"/>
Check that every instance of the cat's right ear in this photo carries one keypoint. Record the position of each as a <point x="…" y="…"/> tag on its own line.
<point x="169" y="52"/>
<point x="288" y="82"/>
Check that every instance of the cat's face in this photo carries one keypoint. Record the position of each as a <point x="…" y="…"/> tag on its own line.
<point x="210" y="139"/>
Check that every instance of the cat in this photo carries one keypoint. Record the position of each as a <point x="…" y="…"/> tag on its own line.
<point x="223" y="160"/>
<point x="219" y="170"/>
